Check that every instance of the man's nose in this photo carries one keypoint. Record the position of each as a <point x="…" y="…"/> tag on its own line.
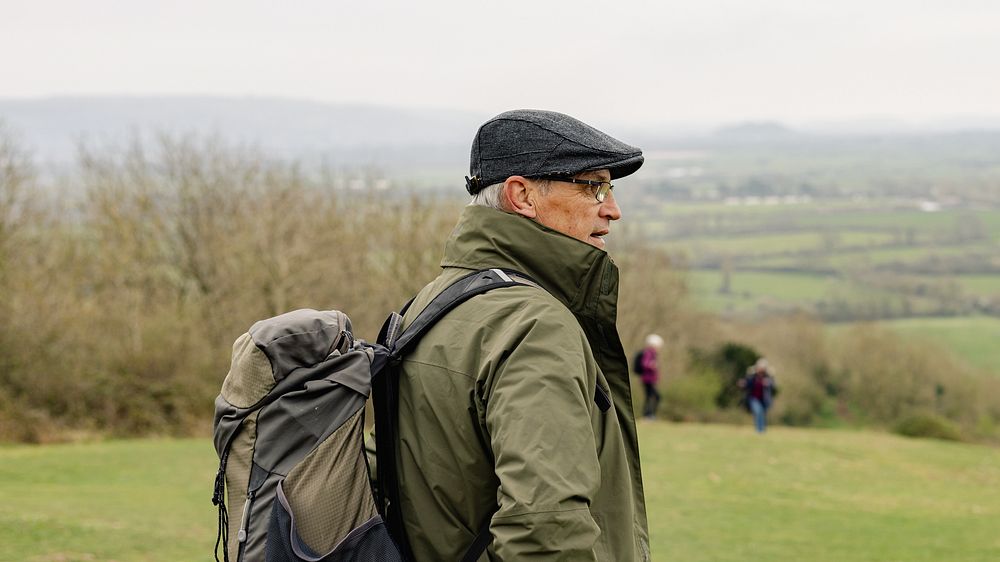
<point x="610" y="208"/>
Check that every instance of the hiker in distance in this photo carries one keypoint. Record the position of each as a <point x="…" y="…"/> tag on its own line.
<point x="649" y="372"/>
<point x="515" y="413"/>
<point x="759" y="390"/>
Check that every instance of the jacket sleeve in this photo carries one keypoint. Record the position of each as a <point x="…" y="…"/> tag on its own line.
<point x="538" y="414"/>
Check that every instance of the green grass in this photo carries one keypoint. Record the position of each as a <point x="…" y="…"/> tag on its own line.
<point x="744" y="246"/>
<point x="975" y="339"/>
<point x="715" y="493"/>
<point x="894" y="219"/>
<point x="121" y="500"/>
<point x="751" y="292"/>
<point x="906" y="255"/>
<point x="852" y="258"/>
<point x="991" y="219"/>
<point x="725" y="494"/>
<point x="675" y="210"/>
<point x="979" y="284"/>
<point x="839" y="215"/>
<point x="789" y="287"/>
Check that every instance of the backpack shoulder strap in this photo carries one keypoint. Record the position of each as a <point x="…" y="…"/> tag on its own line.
<point x="394" y="345"/>
<point x="465" y="288"/>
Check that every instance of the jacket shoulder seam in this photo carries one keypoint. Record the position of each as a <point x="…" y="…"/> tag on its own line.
<point x="437" y="366"/>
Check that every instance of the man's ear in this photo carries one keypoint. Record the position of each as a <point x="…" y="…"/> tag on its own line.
<point x="519" y="197"/>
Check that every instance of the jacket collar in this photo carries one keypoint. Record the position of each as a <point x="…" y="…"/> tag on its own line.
<point x="582" y="277"/>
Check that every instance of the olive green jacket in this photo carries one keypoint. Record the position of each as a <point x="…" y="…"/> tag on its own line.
<point x="516" y="407"/>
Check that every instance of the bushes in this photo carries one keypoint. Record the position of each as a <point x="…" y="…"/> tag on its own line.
<point x="117" y="312"/>
<point x="119" y="309"/>
<point x="866" y="376"/>
<point x="928" y="425"/>
<point x="691" y="396"/>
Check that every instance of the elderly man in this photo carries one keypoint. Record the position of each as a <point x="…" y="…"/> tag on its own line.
<point x="516" y="428"/>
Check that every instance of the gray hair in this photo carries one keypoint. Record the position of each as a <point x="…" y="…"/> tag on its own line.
<point x="492" y="195"/>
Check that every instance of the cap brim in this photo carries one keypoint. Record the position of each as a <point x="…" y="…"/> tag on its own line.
<point x="622" y="168"/>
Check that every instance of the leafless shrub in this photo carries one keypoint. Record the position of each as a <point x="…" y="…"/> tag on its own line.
<point x="117" y="314"/>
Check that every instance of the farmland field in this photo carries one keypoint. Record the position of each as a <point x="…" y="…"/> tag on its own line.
<point x="715" y="493"/>
<point x="976" y="339"/>
<point x="928" y="271"/>
<point x="749" y="288"/>
<point x="980" y="284"/>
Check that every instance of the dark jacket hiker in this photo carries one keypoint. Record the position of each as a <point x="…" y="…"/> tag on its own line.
<point x="522" y="396"/>
<point x="515" y="411"/>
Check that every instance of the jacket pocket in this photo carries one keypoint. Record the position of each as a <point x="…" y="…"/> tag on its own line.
<point x="602" y="398"/>
<point x="367" y="541"/>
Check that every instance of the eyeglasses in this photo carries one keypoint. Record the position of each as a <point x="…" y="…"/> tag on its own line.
<point x="603" y="188"/>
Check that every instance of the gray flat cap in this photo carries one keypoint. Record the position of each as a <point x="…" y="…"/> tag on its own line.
<point x="532" y="142"/>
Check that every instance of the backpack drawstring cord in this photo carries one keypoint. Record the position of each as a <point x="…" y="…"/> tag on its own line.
<point x="219" y="499"/>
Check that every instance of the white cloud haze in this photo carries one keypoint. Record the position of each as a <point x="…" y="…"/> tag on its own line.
<point x="630" y="60"/>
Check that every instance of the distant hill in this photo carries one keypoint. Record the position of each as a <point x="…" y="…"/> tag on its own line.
<point x="414" y="142"/>
<point x="52" y="127"/>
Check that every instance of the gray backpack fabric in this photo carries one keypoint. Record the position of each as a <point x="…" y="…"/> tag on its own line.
<point x="289" y="432"/>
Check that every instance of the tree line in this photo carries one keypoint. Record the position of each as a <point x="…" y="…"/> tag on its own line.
<point x="125" y="280"/>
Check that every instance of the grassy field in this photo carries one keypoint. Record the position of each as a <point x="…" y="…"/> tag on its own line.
<point x="719" y="493"/>
<point x="973" y="338"/>
<point x="928" y="275"/>
<point x="715" y="493"/>
<point x="123" y="501"/>
<point x="837" y="258"/>
<point x="905" y="255"/>
<point x="803" y="288"/>
<point x="980" y="284"/>
<point x="753" y="292"/>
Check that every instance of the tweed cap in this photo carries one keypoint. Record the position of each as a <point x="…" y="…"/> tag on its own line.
<point x="532" y="142"/>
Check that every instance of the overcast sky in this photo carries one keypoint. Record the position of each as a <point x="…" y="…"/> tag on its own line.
<point x="628" y="60"/>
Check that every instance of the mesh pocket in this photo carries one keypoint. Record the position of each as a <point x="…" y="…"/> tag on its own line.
<point x="329" y="492"/>
<point x="369" y="542"/>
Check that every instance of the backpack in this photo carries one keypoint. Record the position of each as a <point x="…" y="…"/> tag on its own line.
<point x="289" y="432"/>
<point x="637" y="362"/>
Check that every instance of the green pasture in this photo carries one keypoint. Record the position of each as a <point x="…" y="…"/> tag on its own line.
<point x="714" y="493"/>
<point x="990" y="219"/>
<point x="838" y="236"/>
<point x="118" y="501"/>
<point x="758" y="245"/>
<point x="790" y="286"/>
<point x="726" y="494"/>
<point x="674" y="209"/>
<point x="869" y="216"/>
<point x="755" y="291"/>
<point x="883" y="256"/>
<point x="973" y="339"/>
<point x="847" y="258"/>
<point x="844" y="257"/>
<point x="748" y="289"/>
<point x="979" y="284"/>
<point x="825" y="215"/>
<point x="746" y="246"/>
<point x="853" y="224"/>
<point x="976" y="339"/>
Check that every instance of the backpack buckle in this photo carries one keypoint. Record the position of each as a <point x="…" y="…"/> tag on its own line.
<point x="389" y="333"/>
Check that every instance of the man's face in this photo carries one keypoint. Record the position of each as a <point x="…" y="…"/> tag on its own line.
<point x="574" y="210"/>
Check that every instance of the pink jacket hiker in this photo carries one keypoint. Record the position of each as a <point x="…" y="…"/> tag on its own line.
<point x="650" y="372"/>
